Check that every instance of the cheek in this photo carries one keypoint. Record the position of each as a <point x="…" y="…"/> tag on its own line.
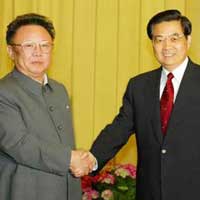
<point x="157" y="51"/>
<point x="22" y="59"/>
<point x="182" y="49"/>
<point x="47" y="59"/>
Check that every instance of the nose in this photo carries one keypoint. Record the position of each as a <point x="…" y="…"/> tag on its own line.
<point x="167" y="42"/>
<point x="37" y="49"/>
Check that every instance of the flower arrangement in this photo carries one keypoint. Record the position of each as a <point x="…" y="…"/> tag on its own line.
<point x="112" y="183"/>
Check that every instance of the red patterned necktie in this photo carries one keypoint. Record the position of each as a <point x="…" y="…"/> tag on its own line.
<point x="166" y="103"/>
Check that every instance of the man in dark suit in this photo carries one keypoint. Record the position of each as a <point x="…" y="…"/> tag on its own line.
<point x="36" y="134"/>
<point x="162" y="108"/>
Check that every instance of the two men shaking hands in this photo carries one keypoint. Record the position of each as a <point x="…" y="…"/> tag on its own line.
<point x="82" y="163"/>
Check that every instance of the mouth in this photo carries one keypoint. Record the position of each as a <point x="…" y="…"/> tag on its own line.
<point x="168" y="54"/>
<point x="36" y="62"/>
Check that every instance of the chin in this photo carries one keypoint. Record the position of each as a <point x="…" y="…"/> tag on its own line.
<point x="38" y="72"/>
<point x="39" y="69"/>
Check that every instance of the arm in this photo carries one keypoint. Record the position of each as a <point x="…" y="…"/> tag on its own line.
<point x="116" y="134"/>
<point x="25" y="148"/>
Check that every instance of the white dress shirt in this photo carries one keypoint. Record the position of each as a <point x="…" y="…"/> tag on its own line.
<point x="45" y="81"/>
<point x="178" y="75"/>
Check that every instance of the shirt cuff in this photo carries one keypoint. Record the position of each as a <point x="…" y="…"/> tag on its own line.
<point x="95" y="166"/>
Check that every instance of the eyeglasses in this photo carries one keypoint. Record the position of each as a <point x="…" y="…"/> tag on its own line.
<point x="173" y="38"/>
<point x="30" y="46"/>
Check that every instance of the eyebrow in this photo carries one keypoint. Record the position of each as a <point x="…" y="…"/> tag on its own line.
<point x="164" y="35"/>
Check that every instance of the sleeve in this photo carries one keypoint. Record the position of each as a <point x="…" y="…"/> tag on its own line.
<point x="116" y="134"/>
<point x="26" y="149"/>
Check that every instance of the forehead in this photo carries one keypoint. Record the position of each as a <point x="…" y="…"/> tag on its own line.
<point x="166" y="28"/>
<point x="31" y="32"/>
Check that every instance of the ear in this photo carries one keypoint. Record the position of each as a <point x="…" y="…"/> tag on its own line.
<point x="189" y="41"/>
<point x="10" y="52"/>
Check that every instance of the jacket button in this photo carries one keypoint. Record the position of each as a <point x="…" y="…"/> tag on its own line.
<point x="67" y="106"/>
<point x="164" y="151"/>
<point x="51" y="108"/>
<point x="59" y="127"/>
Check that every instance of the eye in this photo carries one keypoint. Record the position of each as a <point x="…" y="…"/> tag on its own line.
<point x="158" y="39"/>
<point x="28" y="45"/>
<point x="174" y="38"/>
<point x="45" y="45"/>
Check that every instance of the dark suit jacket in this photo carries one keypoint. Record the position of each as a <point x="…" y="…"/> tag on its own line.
<point x="36" y="138"/>
<point x="168" y="168"/>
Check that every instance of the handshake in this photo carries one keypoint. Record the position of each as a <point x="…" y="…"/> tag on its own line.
<point x="82" y="163"/>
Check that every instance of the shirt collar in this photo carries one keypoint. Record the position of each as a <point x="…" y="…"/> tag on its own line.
<point x="45" y="79"/>
<point x="178" y="71"/>
<point x="30" y="84"/>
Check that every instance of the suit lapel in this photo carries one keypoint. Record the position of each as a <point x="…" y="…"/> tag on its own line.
<point x="181" y="99"/>
<point x="153" y="93"/>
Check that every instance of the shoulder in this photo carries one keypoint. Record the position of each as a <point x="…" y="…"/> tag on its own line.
<point x="193" y="65"/>
<point x="55" y="84"/>
<point x="145" y="77"/>
<point x="9" y="90"/>
<point x="58" y="87"/>
<point x="8" y="84"/>
<point x="193" y="71"/>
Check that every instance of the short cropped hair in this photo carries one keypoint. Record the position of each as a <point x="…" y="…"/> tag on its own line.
<point x="166" y="16"/>
<point x="29" y="19"/>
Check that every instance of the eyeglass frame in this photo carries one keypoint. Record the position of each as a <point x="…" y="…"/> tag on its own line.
<point x="22" y="45"/>
<point x="174" y="38"/>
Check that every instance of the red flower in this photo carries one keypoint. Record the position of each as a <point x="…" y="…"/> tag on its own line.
<point x="86" y="182"/>
<point x="107" y="178"/>
<point x="113" y="182"/>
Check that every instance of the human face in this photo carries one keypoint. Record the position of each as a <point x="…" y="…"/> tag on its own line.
<point x="33" y="63"/>
<point x="169" y="44"/>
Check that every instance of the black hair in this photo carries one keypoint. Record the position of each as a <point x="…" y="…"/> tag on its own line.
<point x="29" y="19"/>
<point x="169" y="15"/>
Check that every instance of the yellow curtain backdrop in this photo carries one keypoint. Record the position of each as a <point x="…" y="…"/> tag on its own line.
<point x="99" y="45"/>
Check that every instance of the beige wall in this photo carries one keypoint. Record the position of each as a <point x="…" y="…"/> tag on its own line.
<point x="99" y="45"/>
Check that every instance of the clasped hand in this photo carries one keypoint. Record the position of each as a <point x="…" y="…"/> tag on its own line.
<point x="82" y="163"/>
